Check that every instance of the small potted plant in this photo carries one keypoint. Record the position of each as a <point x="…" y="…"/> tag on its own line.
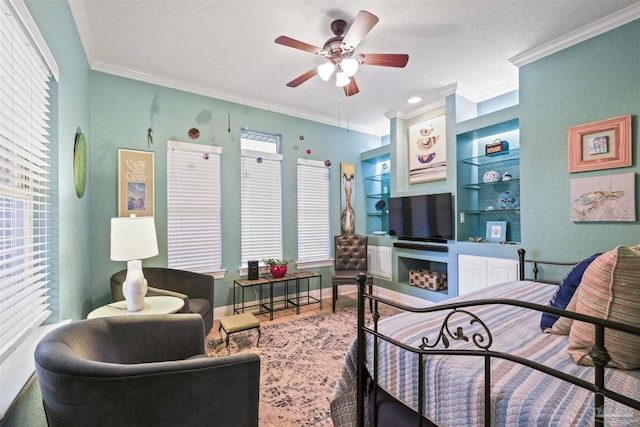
<point x="278" y="266"/>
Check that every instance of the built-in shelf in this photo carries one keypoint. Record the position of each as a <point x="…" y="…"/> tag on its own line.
<point x="377" y="187"/>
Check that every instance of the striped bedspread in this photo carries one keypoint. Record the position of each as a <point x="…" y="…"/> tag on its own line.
<point x="454" y="385"/>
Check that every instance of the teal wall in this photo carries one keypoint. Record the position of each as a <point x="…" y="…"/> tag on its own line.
<point x="592" y="81"/>
<point x="121" y="112"/>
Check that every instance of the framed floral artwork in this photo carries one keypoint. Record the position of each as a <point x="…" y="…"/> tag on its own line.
<point x="135" y="182"/>
<point x="600" y="145"/>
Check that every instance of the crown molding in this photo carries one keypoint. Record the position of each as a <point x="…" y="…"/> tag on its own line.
<point x="616" y="19"/>
<point x="226" y="96"/>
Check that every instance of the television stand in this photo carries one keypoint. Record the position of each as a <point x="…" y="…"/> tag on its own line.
<point x="421" y="247"/>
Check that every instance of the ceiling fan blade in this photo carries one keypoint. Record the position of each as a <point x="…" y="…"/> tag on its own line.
<point x="360" y="27"/>
<point x="384" y="59"/>
<point x="302" y="78"/>
<point x="297" y="44"/>
<point x="351" y="88"/>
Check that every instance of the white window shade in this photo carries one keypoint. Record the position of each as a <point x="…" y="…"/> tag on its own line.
<point x="24" y="179"/>
<point x="313" y="211"/>
<point x="193" y="207"/>
<point x="261" y="186"/>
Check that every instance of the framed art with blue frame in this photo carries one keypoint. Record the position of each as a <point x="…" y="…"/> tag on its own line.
<point x="496" y="231"/>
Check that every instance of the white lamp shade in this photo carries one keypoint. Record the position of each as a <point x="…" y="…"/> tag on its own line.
<point x="349" y="66"/>
<point x="342" y="79"/>
<point x="133" y="238"/>
<point x="325" y="70"/>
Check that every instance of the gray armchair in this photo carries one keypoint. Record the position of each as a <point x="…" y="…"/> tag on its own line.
<point x="195" y="289"/>
<point x="143" y="371"/>
<point x="350" y="259"/>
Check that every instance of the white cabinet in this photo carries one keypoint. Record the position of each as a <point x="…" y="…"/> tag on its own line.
<point x="379" y="261"/>
<point x="477" y="272"/>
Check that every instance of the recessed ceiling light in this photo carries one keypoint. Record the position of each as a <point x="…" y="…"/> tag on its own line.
<point x="414" y="100"/>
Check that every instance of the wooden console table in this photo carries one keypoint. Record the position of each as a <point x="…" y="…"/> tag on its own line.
<point x="288" y="299"/>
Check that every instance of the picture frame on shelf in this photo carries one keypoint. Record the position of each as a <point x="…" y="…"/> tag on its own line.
<point x="496" y="231"/>
<point x="135" y="182"/>
<point x="605" y="144"/>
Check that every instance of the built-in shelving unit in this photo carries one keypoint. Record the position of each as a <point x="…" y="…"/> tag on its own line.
<point x="480" y="199"/>
<point x="376" y="170"/>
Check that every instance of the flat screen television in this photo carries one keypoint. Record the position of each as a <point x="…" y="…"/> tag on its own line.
<point x="427" y="217"/>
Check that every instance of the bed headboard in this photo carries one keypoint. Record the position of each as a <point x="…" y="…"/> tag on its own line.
<point x="549" y="276"/>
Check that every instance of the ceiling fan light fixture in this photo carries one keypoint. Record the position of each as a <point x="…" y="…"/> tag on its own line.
<point x="349" y="66"/>
<point x="325" y="70"/>
<point x="342" y="79"/>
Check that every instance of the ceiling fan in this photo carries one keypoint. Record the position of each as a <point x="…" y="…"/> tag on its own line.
<point x="340" y="53"/>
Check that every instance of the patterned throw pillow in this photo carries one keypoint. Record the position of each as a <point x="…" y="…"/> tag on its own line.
<point x="552" y="323"/>
<point x="610" y="289"/>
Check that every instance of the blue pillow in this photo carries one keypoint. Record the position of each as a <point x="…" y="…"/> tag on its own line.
<point x="565" y="291"/>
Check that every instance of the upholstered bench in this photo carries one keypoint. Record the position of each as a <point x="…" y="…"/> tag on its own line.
<point x="238" y="323"/>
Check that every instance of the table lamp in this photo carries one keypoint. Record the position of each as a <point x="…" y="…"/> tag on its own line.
<point x="133" y="239"/>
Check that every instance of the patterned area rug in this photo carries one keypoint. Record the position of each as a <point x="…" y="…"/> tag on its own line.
<point x="300" y="363"/>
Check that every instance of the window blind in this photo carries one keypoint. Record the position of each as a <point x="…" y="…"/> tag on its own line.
<point x="261" y="206"/>
<point x="313" y="211"/>
<point x="193" y="207"/>
<point x="24" y="169"/>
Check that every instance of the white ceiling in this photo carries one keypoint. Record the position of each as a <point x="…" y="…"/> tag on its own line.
<point x="225" y="48"/>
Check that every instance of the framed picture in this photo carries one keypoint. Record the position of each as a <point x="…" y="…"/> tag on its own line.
<point x="428" y="150"/>
<point x="600" y="145"/>
<point x="496" y="231"/>
<point x="135" y="182"/>
<point x="347" y="181"/>
<point x="604" y="198"/>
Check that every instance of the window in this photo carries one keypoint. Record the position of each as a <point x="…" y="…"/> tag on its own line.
<point x="24" y="154"/>
<point x="261" y="205"/>
<point x="313" y="211"/>
<point x="193" y="207"/>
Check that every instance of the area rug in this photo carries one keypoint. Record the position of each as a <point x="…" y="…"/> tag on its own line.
<point x="300" y="362"/>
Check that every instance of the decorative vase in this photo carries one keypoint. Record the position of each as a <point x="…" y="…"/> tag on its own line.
<point x="278" y="272"/>
<point x="134" y="287"/>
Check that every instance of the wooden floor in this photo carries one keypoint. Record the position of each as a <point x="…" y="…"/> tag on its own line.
<point x="346" y="300"/>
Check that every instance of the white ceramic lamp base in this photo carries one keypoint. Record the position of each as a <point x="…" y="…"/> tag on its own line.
<point x="134" y="288"/>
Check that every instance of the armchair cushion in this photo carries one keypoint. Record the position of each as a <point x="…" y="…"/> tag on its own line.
<point x="143" y="371"/>
<point x="195" y="289"/>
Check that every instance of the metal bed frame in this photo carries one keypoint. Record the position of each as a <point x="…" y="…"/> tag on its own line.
<point x="598" y="353"/>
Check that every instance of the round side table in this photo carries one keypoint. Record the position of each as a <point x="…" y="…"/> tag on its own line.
<point x="152" y="305"/>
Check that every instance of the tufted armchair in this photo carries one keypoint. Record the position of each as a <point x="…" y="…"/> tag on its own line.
<point x="350" y="259"/>
<point x="195" y="289"/>
<point x="143" y="371"/>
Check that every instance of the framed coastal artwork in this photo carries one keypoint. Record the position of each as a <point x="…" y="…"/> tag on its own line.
<point x="600" y="145"/>
<point x="347" y="214"/>
<point x="604" y="198"/>
<point x="135" y="182"/>
<point x="428" y="150"/>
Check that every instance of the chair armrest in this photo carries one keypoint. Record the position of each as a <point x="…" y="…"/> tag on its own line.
<point x="154" y="292"/>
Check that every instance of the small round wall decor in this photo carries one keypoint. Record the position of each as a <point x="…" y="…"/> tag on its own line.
<point x="80" y="164"/>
